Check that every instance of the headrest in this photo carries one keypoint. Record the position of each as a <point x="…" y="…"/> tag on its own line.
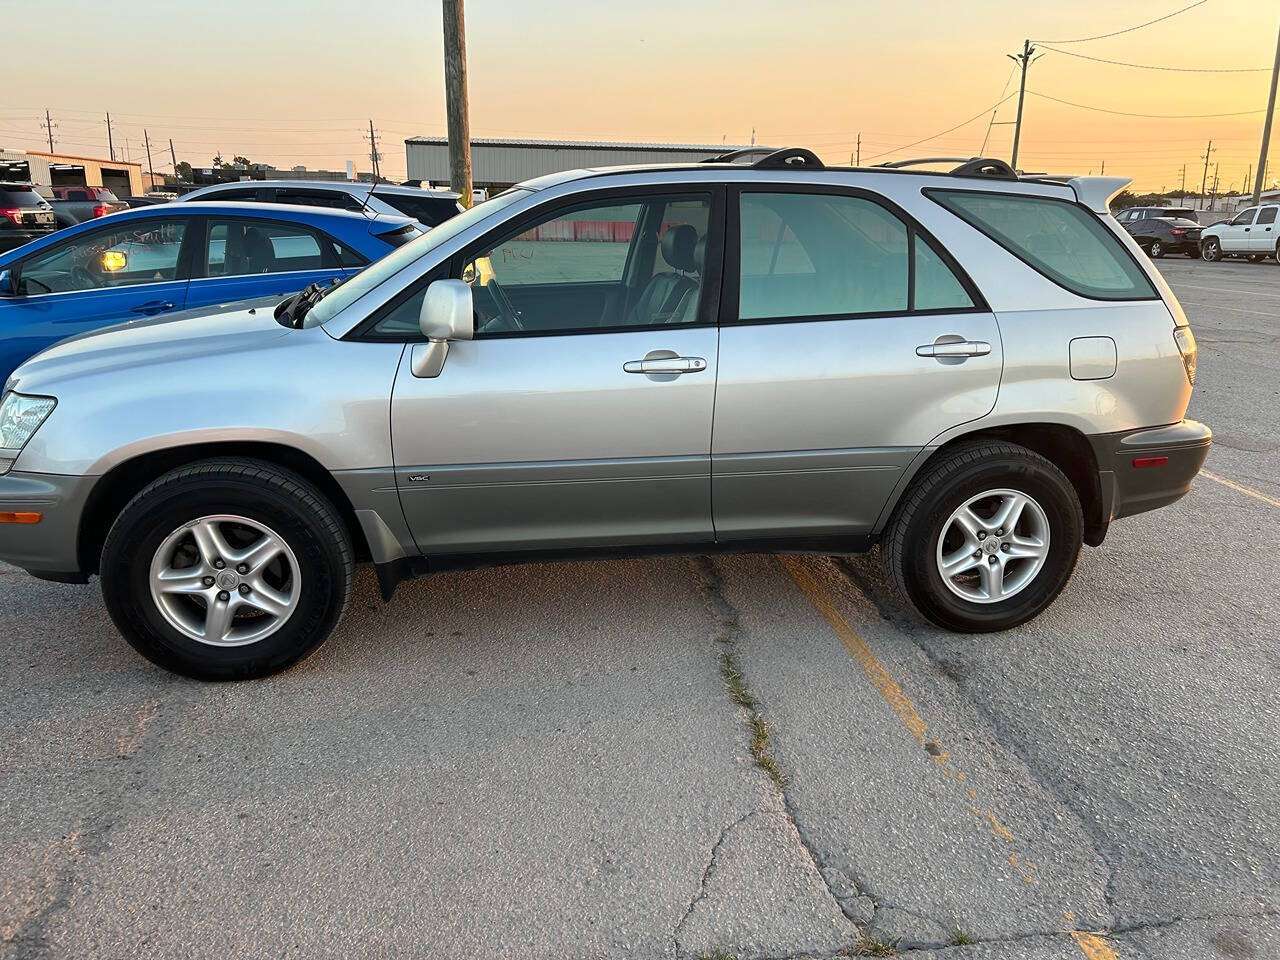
<point x="700" y="253"/>
<point x="678" y="245"/>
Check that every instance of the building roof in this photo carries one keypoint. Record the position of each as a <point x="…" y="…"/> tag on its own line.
<point x="583" y="144"/>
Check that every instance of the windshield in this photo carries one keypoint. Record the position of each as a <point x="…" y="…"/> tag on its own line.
<point x="351" y="290"/>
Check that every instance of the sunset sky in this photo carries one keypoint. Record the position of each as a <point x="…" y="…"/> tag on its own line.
<point x="282" y="82"/>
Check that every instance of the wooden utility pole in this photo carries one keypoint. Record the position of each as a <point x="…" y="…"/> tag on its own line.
<point x="151" y="171"/>
<point x="455" y="93"/>
<point x="859" y="149"/>
<point x="111" y="147"/>
<point x="374" y="155"/>
<point x="1184" y="181"/>
<point x="1266" y="127"/>
<point x="48" y="126"/>
<point x="1204" y="177"/>
<point x="174" y="157"/>
<point x="1024" y="59"/>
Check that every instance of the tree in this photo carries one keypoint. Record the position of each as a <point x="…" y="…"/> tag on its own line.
<point x="183" y="171"/>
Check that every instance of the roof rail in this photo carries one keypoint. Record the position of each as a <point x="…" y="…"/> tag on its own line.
<point x="968" y="166"/>
<point x="733" y="155"/>
<point x="790" y="157"/>
<point x="771" y="157"/>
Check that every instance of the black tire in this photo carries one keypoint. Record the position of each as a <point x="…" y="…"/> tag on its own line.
<point x="911" y="538"/>
<point x="1211" y="250"/>
<point x="1155" y="249"/>
<point x="257" y="490"/>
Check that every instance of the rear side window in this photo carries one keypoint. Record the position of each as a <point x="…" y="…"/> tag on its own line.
<point x="1267" y="215"/>
<point x="1057" y="238"/>
<point x="23" y="197"/>
<point x="427" y="210"/>
<point x="335" y="199"/>
<point x="834" y="255"/>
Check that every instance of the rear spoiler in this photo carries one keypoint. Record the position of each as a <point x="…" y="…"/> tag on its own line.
<point x="1096" y="193"/>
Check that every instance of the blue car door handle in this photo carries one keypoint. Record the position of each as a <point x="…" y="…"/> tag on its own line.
<point x="153" y="306"/>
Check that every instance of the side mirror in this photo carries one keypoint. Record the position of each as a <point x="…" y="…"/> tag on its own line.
<point x="447" y="314"/>
<point x="6" y="283"/>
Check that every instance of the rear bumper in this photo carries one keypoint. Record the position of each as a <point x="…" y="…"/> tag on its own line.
<point x="47" y="549"/>
<point x="1142" y="470"/>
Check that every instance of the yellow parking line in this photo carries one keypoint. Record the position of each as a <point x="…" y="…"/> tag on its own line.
<point x="894" y="696"/>
<point x="1241" y="488"/>
<point x="1093" y="946"/>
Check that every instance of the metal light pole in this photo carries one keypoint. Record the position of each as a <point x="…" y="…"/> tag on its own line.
<point x="455" y="91"/>
<point x="1266" y="127"/>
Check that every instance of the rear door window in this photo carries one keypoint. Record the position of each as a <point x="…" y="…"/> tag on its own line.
<point x="20" y="197"/>
<point x="235" y="248"/>
<point x="333" y="199"/>
<point x="1059" y="239"/>
<point x="1267" y="215"/>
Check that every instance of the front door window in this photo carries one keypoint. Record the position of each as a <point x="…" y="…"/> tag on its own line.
<point x="140" y="251"/>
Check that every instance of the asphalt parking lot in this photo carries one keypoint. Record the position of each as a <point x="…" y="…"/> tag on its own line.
<point x="560" y="761"/>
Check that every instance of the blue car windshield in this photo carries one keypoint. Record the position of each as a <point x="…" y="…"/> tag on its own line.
<point x="352" y="289"/>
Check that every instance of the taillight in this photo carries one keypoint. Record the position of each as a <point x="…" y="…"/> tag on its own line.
<point x="1178" y="233"/>
<point x="100" y="210"/>
<point x="13" y="213"/>
<point x="1186" y="342"/>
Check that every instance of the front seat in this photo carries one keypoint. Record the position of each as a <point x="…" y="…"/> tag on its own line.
<point x="664" y="295"/>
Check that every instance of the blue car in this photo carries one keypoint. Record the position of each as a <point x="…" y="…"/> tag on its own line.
<point x="156" y="260"/>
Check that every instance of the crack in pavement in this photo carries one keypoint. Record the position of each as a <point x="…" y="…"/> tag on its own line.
<point x="706" y="875"/>
<point x="726" y="619"/>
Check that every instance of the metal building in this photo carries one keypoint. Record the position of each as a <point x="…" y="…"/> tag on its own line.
<point x="121" y="177"/>
<point x="497" y="164"/>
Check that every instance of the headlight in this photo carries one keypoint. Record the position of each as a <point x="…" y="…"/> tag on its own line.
<point x="20" y="417"/>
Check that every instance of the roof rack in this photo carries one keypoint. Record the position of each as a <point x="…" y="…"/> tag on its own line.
<point x="771" y="157"/>
<point x="969" y="166"/>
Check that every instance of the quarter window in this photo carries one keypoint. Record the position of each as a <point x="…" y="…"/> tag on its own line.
<point x="242" y="247"/>
<point x="144" y="251"/>
<point x="1059" y="239"/>
<point x="832" y="255"/>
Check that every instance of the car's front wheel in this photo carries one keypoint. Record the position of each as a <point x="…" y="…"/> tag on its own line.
<point x="1211" y="250"/>
<point x="986" y="537"/>
<point x="227" y="569"/>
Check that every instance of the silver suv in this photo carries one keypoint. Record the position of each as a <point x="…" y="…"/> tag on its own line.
<point x="977" y="371"/>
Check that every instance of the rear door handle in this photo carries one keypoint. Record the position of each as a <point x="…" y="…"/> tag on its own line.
<point x="153" y="306"/>
<point x="954" y="348"/>
<point x="666" y="365"/>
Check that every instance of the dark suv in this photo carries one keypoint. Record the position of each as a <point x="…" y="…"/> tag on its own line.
<point x="24" y="215"/>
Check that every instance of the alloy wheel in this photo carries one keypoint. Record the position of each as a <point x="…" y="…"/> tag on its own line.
<point x="225" y="580"/>
<point x="993" y="546"/>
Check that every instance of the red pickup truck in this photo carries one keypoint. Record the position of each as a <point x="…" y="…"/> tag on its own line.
<point x="73" y="205"/>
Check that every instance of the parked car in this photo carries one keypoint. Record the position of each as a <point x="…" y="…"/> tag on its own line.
<point x="1139" y="213"/>
<point x="428" y="207"/>
<point x="160" y="260"/>
<point x="149" y="200"/>
<point x="72" y="205"/>
<point x="977" y="372"/>
<point x="1252" y="233"/>
<point x="1158" y="236"/>
<point x="24" y="215"/>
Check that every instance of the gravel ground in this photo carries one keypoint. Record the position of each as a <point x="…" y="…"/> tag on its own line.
<point x="545" y="761"/>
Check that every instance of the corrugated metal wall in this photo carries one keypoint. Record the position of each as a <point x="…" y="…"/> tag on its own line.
<point x="500" y="164"/>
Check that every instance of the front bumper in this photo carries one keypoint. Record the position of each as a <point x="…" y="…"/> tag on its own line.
<point x="47" y="549"/>
<point x="1142" y="470"/>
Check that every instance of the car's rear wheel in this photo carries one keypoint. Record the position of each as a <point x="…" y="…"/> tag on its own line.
<point x="1211" y="250"/>
<point x="985" y="538"/>
<point x="227" y="569"/>
<point x="1155" y="249"/>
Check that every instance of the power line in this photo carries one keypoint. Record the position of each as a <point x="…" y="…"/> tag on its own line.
<point x="905" y="146"/>
<point x="1148" y="66"/>
<point x="1150" y="116"/>
<point x="1116" y="33"/>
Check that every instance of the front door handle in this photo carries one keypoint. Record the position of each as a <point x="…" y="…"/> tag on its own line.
<point x="153" y="306"/>
<point x="666" y="365"/>
<point x="954" y="348"/>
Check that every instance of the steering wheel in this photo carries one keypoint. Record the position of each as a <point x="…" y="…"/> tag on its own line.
<point x="504" y="302"/>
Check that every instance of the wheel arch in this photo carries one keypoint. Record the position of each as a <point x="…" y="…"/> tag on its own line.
<point x="1064" y="446"/>
<point x="123" y="481"/>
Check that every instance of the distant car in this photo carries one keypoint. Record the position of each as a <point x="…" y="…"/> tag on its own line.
<point x="1159" y="236"/>
<point x="24" y="215"/>
<point x="72" y="205"/>
<point x="149" y="200"/>
<point x="1252" y="233"/>
<point x="429" y="207"/>
<point x="1127" y="217"/>
<point x="166" y="258"/>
